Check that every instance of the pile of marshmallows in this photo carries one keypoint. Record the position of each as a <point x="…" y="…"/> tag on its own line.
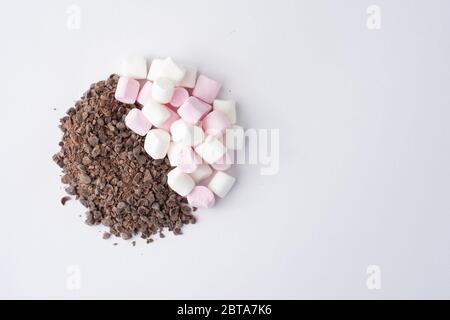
<point x="194" y="129"/>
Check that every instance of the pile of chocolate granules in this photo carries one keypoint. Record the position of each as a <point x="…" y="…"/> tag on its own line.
<point x="105" y="166"/>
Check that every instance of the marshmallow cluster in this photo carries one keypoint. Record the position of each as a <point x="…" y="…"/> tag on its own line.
<point x="181" y="118"/>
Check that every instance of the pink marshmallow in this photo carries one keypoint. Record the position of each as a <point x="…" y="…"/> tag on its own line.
<point x="188" y="160"/>
<point x="215" y="122"/>
<point x="201" y="197"/>
<point x="127" y="90"/>
<point x="206" y="89"/>
<point x="145" y="93"/>
<point x="225" y="162"/>
<point x="137" y="122"/>
<point x="193" y="109"/>
<point x="179" y="96"/>
<point x="172" y="118"/>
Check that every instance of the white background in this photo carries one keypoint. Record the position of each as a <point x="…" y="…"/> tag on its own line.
<point x="364" y="173"/>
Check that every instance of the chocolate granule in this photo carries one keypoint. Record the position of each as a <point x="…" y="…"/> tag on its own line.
<point x="64" y="200"/>
<point x="105" y="166"/>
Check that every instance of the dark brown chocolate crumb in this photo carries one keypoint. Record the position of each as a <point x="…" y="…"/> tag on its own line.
<point x="125" y="235"/>
<point x="106" y="168"/>
<point x="106" y="235"/>
<point x="115" y="244"/>
<point x="65" y="199"/>
<point x="133" y="243"/>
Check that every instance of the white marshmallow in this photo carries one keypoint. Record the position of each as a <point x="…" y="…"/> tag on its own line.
<point x="155" y="112"/>
<point x="228" y="107"/>
<point x="235" y="137"/>
<point x="189" y="78"/>
<point x="174" y="152"/>
<point x="211" y="150"/>
<point x="221" y="183"/>
<point x="202" y="172"/>
<point x="181" y="183"/>
<point x="178" y="129"/>
<point x="188" y="160"/>
<point x="170" y="70"/>
<point x="194" y="137"/>
<point x="185" y="133"/>
<point x="162" y="90"/>
<point x="155" y="69"/>
<point x="134" y="67"/>
<point x="157" y="143"/>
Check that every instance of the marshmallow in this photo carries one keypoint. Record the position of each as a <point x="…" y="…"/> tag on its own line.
<point x="221" y="166"/>
<point x="157" y="143"/>
<point x="134" y="67"/>
<point x="201" y="197"/>
<point x="155" y="69"/>
<point x="172" y="118"/>
<point x="211" y="150"/>
<point x="193" y="110"/>
<point x="188" y="160"/>
<point x="189" y="78"/>
<point x="137" y="122"/>
<point x="127" y="90"/>
<point x="156" y="113"/>
<point x="235" y="137"/>
<point x="194" y="137"/>
<point x="186" y="134"/>
<point x="225" y="162"/>
<point x="170" y="70"/>
<point x="145" y="93"/>
<point x="215" y="122"/>
<point x="179" y="97"/>
<point x="228" y="107"/>
<point x="174" y="151"/>
<point x="202" y="172"/>
<point x="206" y="89"/>
<point x="162" y="90"/>
<point x="178" y="130"/>
<point x="180" y="182"/>
<point x="221" y="183"/>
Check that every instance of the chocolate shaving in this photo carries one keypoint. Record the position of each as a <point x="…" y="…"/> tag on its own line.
<point x="106" y="168"/>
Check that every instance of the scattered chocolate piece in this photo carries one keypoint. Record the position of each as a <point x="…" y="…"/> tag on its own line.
<point x="106" y="235"/>
<point x="105" y="166"/>
<point x="84" y="178"/>
<point x="93" y="141"/>
<point x="65" y="199"/>
<point x="125" y="235"/>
